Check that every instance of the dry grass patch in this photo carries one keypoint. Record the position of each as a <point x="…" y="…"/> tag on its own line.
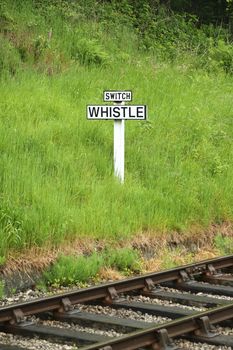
<point x="207" y="254"/>
<point x="158" y="250"/>
<point x="109" y="274"/>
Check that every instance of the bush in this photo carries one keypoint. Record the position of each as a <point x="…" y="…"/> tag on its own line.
<point x="89" y="52"/>
<point x="221" y="56"/>
<point x="9" y="58"/>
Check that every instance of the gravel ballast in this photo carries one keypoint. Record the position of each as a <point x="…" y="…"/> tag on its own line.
<point x="33" y="344"/>
<point x="36" y="343"/>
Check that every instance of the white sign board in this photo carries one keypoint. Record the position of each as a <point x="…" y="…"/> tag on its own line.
<point x="102" y="112"/>
<point x="119" y="113"/>
<point x="117" y="96"/>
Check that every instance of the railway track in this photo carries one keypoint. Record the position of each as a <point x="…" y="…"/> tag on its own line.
<point x="155" y="311"/>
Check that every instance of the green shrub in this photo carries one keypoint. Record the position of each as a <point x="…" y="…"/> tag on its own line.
<point x="89" y="52"/>
<point x="168" y="34"/>
<point x="9" y="58"/>
<point x="221" y="56"/>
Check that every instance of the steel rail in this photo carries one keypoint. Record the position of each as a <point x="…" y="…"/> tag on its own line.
<point x="152" y="335"/>
<point x="110" y="291"/>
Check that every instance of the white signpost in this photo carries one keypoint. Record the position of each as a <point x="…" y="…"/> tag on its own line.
<point x="119" y="113"/>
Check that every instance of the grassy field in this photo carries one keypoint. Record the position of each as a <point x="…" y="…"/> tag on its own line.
<point x="56" y="179"/>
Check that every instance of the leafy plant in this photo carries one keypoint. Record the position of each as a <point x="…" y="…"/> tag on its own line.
<point x="221" y="56"/>
<point x="89" y="52"/>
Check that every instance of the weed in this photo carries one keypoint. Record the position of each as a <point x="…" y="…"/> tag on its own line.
<point x="224" y="244"/>
<point x="2" y="291"/>
<point x="69" y="270"/>
<point x="221" y="56"/>
<point x="41" y="285"/>
<point x="2" y="260"/>
<point x="171" y="258"/>
<point x="88" y="52"/>
<point x="123" y="260"/>
<point x="13" y="291"/>
<point x="41" y="43"/>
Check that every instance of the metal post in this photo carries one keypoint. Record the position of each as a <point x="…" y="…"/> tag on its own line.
<point x="119" y="149"/>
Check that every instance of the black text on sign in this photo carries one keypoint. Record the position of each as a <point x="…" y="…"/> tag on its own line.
<point x="117" y="112"/>
<point x="117" y="96"/>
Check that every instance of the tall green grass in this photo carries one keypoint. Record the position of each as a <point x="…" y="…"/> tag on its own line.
<point x="56" y="179"/>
